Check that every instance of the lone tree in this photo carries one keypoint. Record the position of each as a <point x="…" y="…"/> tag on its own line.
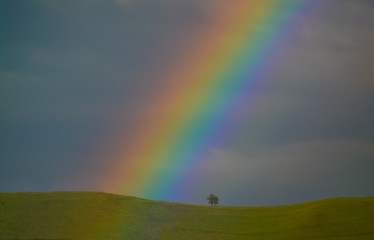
<point x="212" y="199"/>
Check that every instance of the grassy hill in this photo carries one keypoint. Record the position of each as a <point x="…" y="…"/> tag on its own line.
<point x="77" y="215"/>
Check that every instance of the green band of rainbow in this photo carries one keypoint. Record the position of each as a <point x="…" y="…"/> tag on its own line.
<point x="201" y="96"/>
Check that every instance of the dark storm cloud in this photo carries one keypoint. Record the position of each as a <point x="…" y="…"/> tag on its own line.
<point x="75" y="74"/>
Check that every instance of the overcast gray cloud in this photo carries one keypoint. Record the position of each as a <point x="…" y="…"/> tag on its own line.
<point x="76" y="76"/>
<point x="321" y="88"/>
<point x="304" y="170"/>
<point x="309" y="131"/>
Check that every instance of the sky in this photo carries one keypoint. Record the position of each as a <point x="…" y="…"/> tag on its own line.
<point x="77" y="76"/>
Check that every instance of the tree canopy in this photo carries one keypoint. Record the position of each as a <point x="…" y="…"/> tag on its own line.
<point x="213" y="199"/>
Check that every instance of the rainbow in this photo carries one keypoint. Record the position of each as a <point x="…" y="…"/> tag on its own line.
<point x="201" y="96"/>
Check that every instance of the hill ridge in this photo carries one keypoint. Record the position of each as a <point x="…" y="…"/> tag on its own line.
<point x="98" y="215"/>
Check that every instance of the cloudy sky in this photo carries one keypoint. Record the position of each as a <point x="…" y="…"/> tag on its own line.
<point x="75" y="76"/>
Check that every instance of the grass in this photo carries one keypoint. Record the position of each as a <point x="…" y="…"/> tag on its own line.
<point x="86" y="216"/>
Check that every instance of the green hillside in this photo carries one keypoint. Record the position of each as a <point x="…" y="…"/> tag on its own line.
<point x="75" y="215"/>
